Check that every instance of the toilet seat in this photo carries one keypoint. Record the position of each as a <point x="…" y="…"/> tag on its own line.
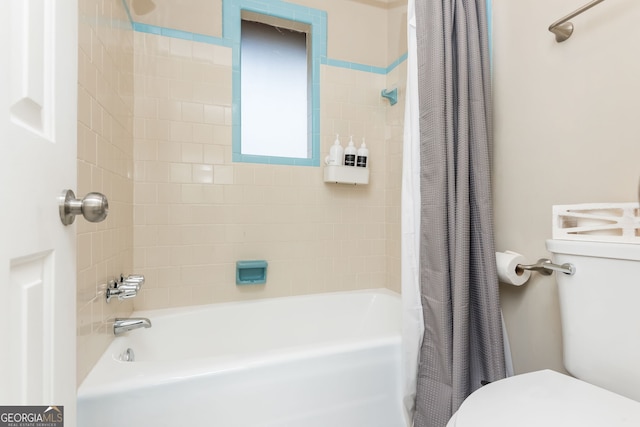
<point x="545" y="398"/>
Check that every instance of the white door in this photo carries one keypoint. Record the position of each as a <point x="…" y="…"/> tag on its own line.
<point x="38" y="109"/>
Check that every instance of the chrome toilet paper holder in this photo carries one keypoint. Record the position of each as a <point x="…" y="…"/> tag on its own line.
<point x="545" y="267"/>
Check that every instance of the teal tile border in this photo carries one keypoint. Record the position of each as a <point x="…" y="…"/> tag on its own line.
<point x="231" y="13"/>
<point x="397" y="62"/>
<point x="179" y="34"/>
<point x="145" y="28"/>
<point x="363" y="67"/>
<point x="202" y="38"/>
<point x="126" y="9"/>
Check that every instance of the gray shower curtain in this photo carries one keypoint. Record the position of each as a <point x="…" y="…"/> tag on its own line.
<point x="462" y="343"/>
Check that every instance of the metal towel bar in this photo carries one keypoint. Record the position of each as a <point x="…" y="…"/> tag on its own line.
<point x="545" y="267"/>
<point x="563" y="29"/>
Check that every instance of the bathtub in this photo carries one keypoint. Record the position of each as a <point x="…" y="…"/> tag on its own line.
<point x="315" y="360"/>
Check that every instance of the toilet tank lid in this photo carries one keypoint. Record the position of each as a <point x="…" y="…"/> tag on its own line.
<point x="629" y="251"/>
<point x="546" y="398"/>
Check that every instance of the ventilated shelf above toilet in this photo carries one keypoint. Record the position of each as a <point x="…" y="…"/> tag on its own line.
<point x="346" y="174"/>
<point x="599" y="222"/>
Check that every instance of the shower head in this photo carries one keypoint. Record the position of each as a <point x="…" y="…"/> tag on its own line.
<point x="562" y="31"/>
<point x="142" y="7"/>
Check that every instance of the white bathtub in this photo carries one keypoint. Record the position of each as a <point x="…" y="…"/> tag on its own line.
<point x="317" y="360"/>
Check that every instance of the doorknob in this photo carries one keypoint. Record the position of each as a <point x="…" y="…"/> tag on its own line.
<point x="94" y="207"/>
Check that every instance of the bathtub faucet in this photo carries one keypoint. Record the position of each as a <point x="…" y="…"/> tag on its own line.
<point x="120" y="326"/>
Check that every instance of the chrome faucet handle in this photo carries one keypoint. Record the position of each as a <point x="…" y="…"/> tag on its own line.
<point x="133" y="279"/>
<point x="112" y="290"/>
<point x="111" y="293"/>
<point x="124" y="287"/>
<point x="122" y="292"/>
<point x="127" y="293"/>
<point x="128" y="286"/>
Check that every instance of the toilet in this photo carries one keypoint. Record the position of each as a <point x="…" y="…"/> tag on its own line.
<point x="600" y="312"/>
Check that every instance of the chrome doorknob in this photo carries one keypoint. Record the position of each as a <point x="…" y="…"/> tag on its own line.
<point x="94" y="207"/>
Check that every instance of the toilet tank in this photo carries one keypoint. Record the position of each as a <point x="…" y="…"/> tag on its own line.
<point x="600" y="312"/>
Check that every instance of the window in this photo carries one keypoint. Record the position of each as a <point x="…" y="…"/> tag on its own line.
<point x="275" y="100"/>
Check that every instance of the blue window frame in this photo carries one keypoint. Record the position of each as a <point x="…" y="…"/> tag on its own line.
<point x="317" y="22"/>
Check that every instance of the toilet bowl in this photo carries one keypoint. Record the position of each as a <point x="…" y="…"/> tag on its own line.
<point x="601" y="349"/>
<point x="545" y="399"/>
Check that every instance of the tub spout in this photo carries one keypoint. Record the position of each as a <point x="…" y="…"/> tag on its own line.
<point x="120" y="326"/>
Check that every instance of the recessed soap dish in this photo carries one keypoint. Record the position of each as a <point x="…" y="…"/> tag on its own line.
<point x="251" y="272"/>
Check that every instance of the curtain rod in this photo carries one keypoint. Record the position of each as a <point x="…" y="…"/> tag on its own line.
<point x="563" y="29"/>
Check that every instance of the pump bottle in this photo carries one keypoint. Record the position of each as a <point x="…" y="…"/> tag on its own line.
<point x="363" y="155"/>
<point x="350" y="154"/>
<point x="336" y="153"/>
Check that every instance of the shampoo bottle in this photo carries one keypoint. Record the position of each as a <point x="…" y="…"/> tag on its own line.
<point x="336" y="153"/>
<point x="350" y="154"/>
<point x="363" y="155"/>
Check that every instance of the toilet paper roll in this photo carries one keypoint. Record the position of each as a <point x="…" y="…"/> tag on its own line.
<point x="507" y="263"/>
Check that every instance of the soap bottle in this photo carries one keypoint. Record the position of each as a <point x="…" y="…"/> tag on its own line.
<point x="350" y="154"/>
<point x="363" y="154"/>
<point x="336" y="153"/>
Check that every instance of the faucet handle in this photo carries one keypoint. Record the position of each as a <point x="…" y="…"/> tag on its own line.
<point x="127" y="293"/>
<point x="136" y="280"/>
<point x="124" y="287"/>
<point x="122" y="292"/>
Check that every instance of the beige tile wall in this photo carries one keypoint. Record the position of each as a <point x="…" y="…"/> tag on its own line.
<point x="195" y="16"/>
<point x="105" y="164"/>
<point x="397" y="78"/>
<point x="196" y="212"/>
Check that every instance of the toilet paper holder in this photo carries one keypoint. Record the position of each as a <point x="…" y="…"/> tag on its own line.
<point x="545" y="267"/>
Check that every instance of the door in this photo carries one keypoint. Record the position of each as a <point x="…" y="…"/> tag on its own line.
<point x="38" y="91"/>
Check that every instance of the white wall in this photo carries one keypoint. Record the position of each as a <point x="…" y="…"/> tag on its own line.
<point x="567" y="121"/>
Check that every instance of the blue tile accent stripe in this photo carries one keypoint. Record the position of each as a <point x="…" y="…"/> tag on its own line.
<point x="363" y="67"/>
<point x="126" y="9"/>
<point x="179" y="34"/>
<point x="203" y="38"/>
<point x="145" y="28"/>
<point x="397" y="62"/>
<point x="222" y="41"/>
<point x="354" y="66"/>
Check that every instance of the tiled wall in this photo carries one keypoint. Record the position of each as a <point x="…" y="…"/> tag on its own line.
<point x="105" y="164"/>
<point x="196" y="212"/>
<point x="191" y="212"/>
<point x="394" y="120"/>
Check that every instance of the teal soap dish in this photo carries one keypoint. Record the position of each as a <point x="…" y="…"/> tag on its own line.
<point x="252" y="272"/>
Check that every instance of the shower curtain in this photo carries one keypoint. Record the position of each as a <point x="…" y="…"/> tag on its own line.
<point x="461" y="346"/>
<point x="412" y="319"/>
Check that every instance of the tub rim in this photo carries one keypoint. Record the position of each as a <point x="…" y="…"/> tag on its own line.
<point x="107" y="375"/>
